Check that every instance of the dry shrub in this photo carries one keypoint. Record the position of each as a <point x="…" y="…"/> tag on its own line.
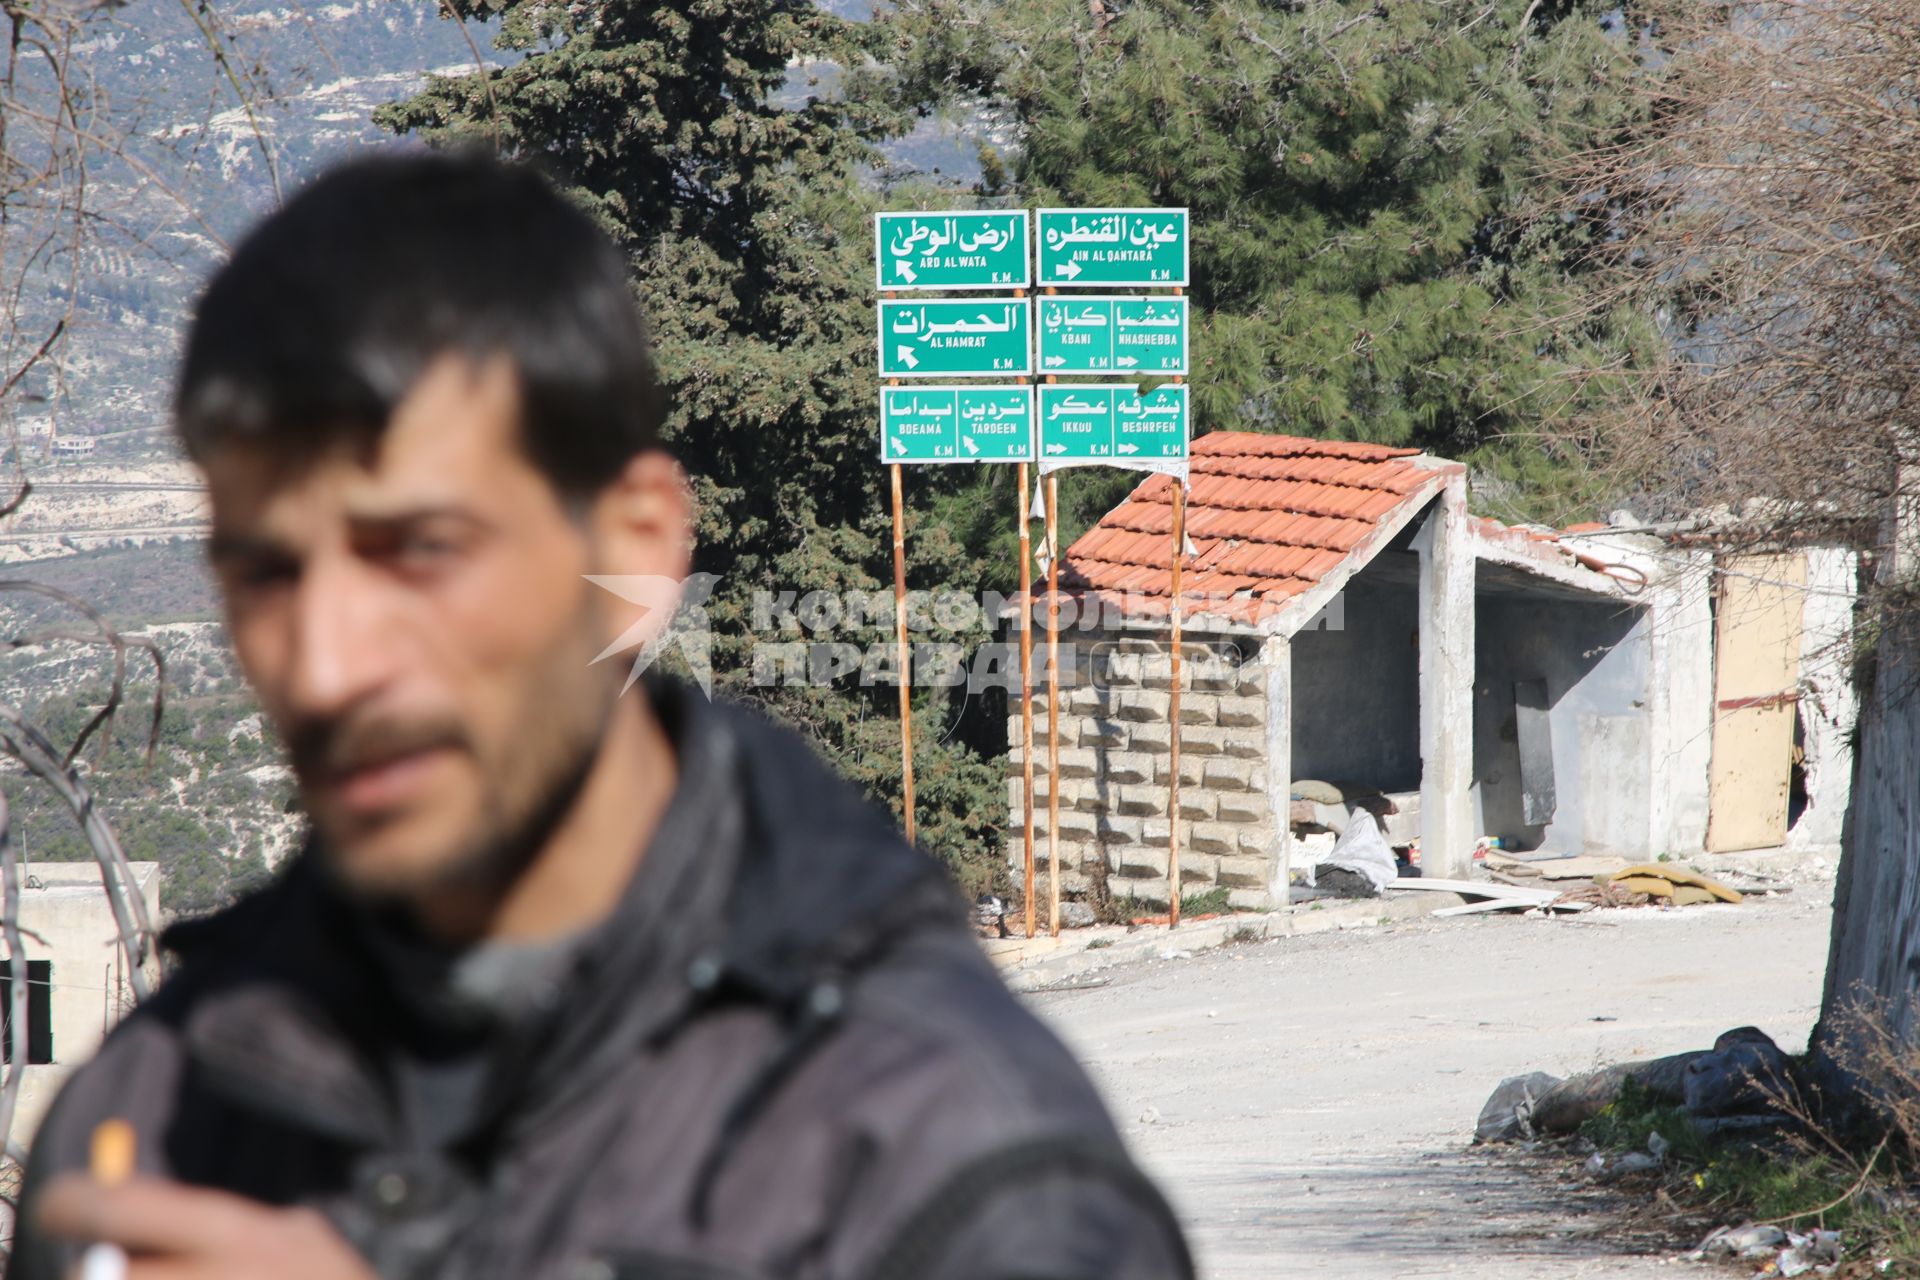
<point x="1766" y="216"/>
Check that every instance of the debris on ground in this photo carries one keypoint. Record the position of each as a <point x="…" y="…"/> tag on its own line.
<point x="1493" y="897"/>
<point x="1674" y="884"/>
<point x="1553" y="866"/>
<point x="1361" y="862"/>
<point x="1745" y="1074"/>
<point x="1783" y="1253"/>
<point x="1739" y="1078"/>
<point x="1508" y="1115"/>
<point x="990" y="916"/>
<point x="1604" y="893"/>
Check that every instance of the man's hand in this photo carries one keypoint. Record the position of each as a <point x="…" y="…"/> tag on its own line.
<point x="176" y="1232"/>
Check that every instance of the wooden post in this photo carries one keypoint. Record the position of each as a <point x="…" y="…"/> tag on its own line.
<point x="1173" y="735"/>
<point x="1053" y="704"/>
<point x="1026" y="686"/>
<point x="902" y="651"/>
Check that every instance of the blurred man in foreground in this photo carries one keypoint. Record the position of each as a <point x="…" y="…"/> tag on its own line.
<point x="566" y="984"/>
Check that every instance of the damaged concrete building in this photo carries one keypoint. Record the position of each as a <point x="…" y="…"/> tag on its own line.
<point x="1352" y="636"/>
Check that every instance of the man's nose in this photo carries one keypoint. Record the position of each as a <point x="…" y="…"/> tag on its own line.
<point x="344" y="642"/>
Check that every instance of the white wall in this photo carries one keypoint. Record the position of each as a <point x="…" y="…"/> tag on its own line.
<point x="1594" y="660"/>
<point x="64" y="904"/>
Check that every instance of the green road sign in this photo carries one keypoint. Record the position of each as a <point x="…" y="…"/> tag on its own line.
<point x="1114" y="424"/>
<point x="968" y="338"/>
<point x="1143" y="247"/>
<point x="1088" y="334"/>
<point x="974" y="250"/>
<point x="956" y="424"/>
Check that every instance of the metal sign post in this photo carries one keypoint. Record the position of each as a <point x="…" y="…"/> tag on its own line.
<point x="1173" y="735"/>
<point x="901" y="651"/>
<point x="1053" y="705"/>
<point x="1026" y="689"/>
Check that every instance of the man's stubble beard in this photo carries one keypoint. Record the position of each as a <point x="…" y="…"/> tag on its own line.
<point x="528" y="782"/>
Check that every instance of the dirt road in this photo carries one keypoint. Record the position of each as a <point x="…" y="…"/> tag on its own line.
<point x="1308" y="1102"/>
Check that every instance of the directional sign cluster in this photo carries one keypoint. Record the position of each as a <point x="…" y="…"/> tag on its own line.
<point x="1071" y="334"/>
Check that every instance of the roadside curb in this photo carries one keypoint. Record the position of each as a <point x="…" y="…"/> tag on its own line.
<point x="1045" y="962"/>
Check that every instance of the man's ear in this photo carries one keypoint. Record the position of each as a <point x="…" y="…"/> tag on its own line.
<point x="642" y="522"/>
<point x="640" y="528"/>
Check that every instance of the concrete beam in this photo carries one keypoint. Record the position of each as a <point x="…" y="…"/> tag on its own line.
<point x="1446" y="550"/>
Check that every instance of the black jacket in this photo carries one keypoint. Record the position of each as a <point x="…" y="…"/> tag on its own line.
<point x="783" y="1056"/>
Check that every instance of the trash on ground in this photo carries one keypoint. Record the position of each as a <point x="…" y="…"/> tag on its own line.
<point x="1784" y="1253"/>
<point x="1508" y="1115"/>
<point x="1673" y="883"/>
<point x="1361" y="862"/>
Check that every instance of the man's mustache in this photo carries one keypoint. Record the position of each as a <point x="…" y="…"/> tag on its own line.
<point x="329" y="748"/>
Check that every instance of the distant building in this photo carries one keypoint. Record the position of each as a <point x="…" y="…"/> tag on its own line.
<point x="1351" y="636"/>
<point x="76" y="975"/>
<point x="73" y="446"/>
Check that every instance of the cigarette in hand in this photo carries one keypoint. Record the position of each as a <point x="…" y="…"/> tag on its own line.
<point x="111" y="1163"/>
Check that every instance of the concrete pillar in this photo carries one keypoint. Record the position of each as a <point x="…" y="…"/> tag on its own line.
<point x="1680" y="702"/>
<point x="1446" y="684"/>
<point x="1276" y="661"/>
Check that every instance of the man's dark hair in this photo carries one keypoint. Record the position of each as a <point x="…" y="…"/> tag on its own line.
<point x="332" y="308"/>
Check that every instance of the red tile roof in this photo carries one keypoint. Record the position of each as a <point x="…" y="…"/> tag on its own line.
<point x="1268" y="517"/>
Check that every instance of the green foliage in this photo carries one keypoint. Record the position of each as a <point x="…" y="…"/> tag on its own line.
<point x="193" y="809"/>
<point x="1376" y="255"/>
<point x="1793" y="1181"/>
<point x="1625" y="1124"/>
<point x="1210" y="903"/>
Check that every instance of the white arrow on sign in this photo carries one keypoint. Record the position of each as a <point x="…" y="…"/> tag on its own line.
<point x="1070" y="270"/>
<point x="1056" y="359"/>
<point x="1129" y="448"/>
<point x="905" y="270"/>
<point x="898" y="448"/>
<point x="971" y="446"/>
<point x="906" y="358"/>
<point x="1126" y="362"/>
<point x="1056" y="448"/>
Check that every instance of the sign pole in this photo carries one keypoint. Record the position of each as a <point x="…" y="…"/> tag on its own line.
<point x="1053" y="703"/>
<point x="900" y="632"/>
<point x="1026" y="685"/>
<point x="1173" y="735"/>
<point x="1173" y="738"/>
<point x="1026" y="681"/>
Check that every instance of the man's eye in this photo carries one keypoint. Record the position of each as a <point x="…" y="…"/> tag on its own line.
<point x="421" y="550"/>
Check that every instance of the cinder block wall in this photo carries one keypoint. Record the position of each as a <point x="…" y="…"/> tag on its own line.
<point x="1114" y="757"/>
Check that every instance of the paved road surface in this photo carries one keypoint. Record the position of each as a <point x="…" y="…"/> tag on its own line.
<point x="1308" y="1102"/>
